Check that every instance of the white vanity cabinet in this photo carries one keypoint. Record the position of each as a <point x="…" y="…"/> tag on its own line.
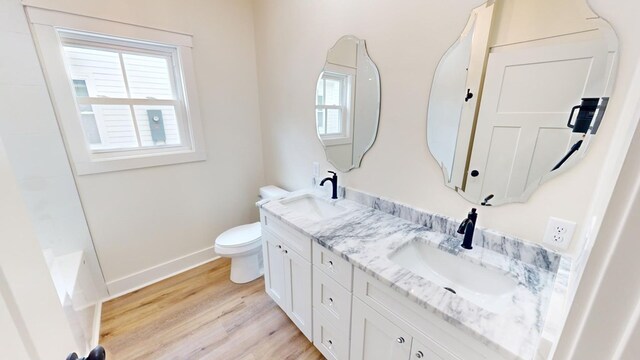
<point x="332" y="280"/>
<point x="386" y="322"/>
<point x="374" y="337"/>
<point x="349" y="314"/>
<point x="287" y="271"/>
<point x="421" y="351"/>
<point x="273" y="258"/>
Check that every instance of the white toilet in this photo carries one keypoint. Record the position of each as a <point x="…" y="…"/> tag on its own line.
<point x="243" y="244"/>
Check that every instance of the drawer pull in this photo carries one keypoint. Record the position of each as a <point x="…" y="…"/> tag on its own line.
<point x="330" y="343"/>
<point x="419" y="355"/>
<point x="330" y="301"/>
<point x="400" y="340"/>
<point x="330" y="264"/>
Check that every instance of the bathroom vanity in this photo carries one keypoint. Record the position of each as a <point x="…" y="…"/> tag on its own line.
<point x="366" y="278"/>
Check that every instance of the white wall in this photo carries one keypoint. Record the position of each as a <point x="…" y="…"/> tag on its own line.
<point x="606" y="307"/>
<point x="405" y="40"/>
<point x="518" y="20"/>
<point x="10" y="341"/>
<point x="148" y="223"/>
<point x="31" y="316"/>
<point x="34" y="145"/>
<point x="604" y="319"/>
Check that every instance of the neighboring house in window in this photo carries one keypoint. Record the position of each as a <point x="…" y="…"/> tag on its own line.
<point x="125" y="95"/>
<point x="87" y="116"/>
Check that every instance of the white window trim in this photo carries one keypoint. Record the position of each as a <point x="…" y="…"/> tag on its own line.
<point x="82" y="40"/>
<point x="45" y="24"/>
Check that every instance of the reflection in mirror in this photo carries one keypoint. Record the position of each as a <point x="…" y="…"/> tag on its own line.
<point x="347" y="103"/>
<point x="517" y="99"/>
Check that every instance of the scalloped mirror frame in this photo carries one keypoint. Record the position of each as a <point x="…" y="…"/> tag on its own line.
<point x="349" y="58"/>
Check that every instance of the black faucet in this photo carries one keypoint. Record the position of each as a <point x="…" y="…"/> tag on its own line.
<point x="485" y="202"/>
<point x="334" y="182"/>
<point x="467" y="227"/>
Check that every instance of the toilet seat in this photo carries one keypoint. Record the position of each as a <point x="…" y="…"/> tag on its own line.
<point x="240" y="235"/>
<point x="239" y="239"/>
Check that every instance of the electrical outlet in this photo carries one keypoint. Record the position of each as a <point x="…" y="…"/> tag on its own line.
<point x="559" y="232"/>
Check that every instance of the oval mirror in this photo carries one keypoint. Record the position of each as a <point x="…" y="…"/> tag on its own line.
<point x="519" y="96"/>
<point x="347" y="103"/>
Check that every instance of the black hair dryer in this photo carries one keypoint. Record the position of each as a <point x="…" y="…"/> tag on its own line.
<point x="587" y="110"/>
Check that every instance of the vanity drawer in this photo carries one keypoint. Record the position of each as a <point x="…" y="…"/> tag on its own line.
<point x="332" y="342"/>
<point x="333" y="265"/>
<point x="439" y="336"/>
<point x="331" y="300"/>
<point x="290" y="237"/>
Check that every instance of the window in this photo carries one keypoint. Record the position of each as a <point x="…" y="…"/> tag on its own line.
<point x="332" y="105"/>
<point x="126" y="93"/>
<point x="121" y="97"/>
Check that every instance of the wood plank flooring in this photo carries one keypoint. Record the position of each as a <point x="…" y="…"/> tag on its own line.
<point x="201" y="314"/>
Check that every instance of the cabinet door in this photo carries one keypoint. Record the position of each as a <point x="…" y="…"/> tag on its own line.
<point x="420" y="351"/>
<point x="297" y="274"/>
<point x="274" y="277"/>
<point x="373" y="337"/>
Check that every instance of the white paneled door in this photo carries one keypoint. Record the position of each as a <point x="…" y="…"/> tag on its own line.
<point x="529" y="90"/>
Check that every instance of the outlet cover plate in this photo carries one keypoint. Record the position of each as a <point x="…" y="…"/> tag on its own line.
<point x="559" y="232"/>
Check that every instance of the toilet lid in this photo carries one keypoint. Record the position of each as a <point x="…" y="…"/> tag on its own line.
<point x="240" y="235"/>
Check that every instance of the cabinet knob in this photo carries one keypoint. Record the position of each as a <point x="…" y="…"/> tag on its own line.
<point x="330" y="301"/>
<point x="419" y="355"/>
<point x="400" y="340"/>
<point x="330" y="263"/>
<point x="279" y="246"/>
<point x="285" y="251"/>
<point x="330" y="343"/>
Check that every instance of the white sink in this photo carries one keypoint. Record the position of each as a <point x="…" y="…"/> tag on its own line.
<point x="487" y="287"/>
<point x="312" y="207"/>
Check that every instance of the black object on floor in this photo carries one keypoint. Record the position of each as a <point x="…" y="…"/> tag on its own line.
<point x="97" y="353"/>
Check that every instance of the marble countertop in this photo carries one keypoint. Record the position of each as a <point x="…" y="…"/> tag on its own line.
<point x="365" y="236"/>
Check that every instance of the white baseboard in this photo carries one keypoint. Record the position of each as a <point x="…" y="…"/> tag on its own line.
<point x="159" y="272"/>
<point x="97" y="320"/>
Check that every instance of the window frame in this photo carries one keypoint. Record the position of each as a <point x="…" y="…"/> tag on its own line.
<point x="82" y="40"/>
<point x="53" y="30"/>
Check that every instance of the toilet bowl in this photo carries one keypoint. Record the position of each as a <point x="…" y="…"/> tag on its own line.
<point x="243" y="244"/>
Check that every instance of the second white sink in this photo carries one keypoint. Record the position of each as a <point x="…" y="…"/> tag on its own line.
<point x="312" y="207"/>
<point x="486" y="287"/>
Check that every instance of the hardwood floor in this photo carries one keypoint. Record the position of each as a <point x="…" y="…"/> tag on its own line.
<point x="201" y="314"/>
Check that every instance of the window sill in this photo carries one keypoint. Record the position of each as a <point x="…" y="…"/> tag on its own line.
<point x="97" y="166"/>
<point x="335" y="140"/>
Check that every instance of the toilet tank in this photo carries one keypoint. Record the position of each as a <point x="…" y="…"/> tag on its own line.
<point x="272" y="192"/>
